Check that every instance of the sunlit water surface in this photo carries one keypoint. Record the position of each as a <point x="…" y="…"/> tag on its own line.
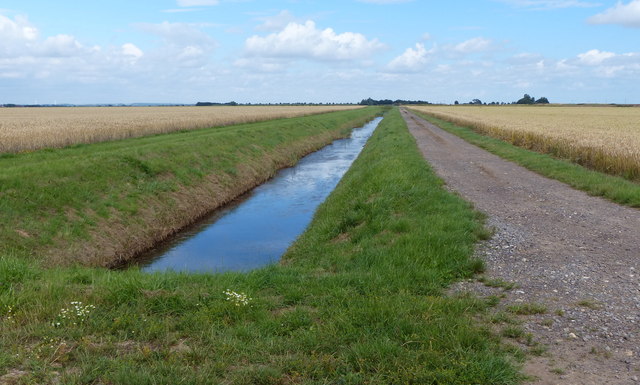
<point x="258" y="228"/>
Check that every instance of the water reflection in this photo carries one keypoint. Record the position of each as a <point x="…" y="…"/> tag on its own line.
<point x="259" y="228"/>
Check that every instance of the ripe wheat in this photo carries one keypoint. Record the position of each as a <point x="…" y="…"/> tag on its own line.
<point x="28" y="129"/>
<point x="603" y="138"/>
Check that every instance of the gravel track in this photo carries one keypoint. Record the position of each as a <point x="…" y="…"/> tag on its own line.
<point x="575" y="254"/>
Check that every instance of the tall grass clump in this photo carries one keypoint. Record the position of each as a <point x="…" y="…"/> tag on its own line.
<point x="606" y="139"/>
<point x="358" y="299"/>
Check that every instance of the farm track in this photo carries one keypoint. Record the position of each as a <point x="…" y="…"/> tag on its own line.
<point x="577" y="255"/>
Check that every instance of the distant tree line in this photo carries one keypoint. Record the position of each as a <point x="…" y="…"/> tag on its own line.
<point x="206" y="104"/>
<point x="526" y="99"/>
<point x="383" y="102"/>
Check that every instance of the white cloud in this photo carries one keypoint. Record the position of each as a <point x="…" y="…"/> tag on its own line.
<point x="19" y="29"/>
<point x="16" y="36"/>
<point x="63" y="63"/>
<point x="477" y="44"/>
<point x="263" y="65"/>
<point x="277" y="22"/>
<point x="595" y="57"/>
<point x="184" y="44"/>
<point x="60" y="46"/>
<point x="129" y="49"/>
<point x="196" y="3"/>
<point x="182" y="34"/>
<point x="627" y="15"/>
<point x="549" y="4"/>
<point x="412" y="60"/>
<point x="524" y="58"/>
<point x="307" y="41"/>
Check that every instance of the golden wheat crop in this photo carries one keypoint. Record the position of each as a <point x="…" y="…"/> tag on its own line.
<point x="604" y="138"/>
<point x="27" y="129"/>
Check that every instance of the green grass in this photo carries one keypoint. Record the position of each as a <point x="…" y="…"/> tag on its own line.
<point x="358" y="300"/>
<point x="109" y="200"/>
<point x="497" y="283"/>
<point x="527" y="309"/>
<point x="616" y="189"/>
<point x="590" y="304"/>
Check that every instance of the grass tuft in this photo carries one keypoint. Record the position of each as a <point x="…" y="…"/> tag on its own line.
<point x="527" y="309"/>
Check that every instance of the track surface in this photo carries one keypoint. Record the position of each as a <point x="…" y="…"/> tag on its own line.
<point x="578" y="255"/>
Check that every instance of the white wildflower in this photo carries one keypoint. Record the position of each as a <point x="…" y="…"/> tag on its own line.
<point x="76" y="314"/>
<point x="238" y="299"/>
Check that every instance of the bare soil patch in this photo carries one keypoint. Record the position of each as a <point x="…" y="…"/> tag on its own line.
<point x="577" y="255"/>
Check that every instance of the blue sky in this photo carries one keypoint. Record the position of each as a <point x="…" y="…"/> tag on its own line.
<point x="184" y="51"/>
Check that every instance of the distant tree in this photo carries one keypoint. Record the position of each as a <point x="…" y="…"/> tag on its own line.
<point x="456" y="103"/>
<point x="526" y="99"/>
<point x="542" y="100"/>
<point x="475" y="101"/>
<point x="385" y="102"/>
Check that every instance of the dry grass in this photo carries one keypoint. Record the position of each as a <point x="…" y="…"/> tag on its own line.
<point x="603" y="138"/>
<point x="28" y="129"/>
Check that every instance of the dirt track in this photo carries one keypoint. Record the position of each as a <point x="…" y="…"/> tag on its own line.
<point x="577" y="255"/>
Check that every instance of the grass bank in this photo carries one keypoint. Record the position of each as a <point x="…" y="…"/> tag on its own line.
<point x="358" y="299"/>
<point x="614" y="188"/>
<point x="99" y="204"/>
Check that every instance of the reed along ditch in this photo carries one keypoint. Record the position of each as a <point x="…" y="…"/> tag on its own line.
<point x="257" y="228"/>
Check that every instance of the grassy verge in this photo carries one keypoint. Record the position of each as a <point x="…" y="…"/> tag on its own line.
<point x="101" y="203"/>
<point x="357" y="300"/>
<point x="616" y="189"/>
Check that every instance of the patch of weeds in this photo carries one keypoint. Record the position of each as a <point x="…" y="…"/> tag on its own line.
<point x="497" y="283"/>
<point x="560" y="313"/>
<point x="558" y="371"/>
<point x="476" y="265"/>
<point x="513" y="332"/>
<point x="517" y="353"/>
<point x="493" y="301"/>
<point x="538" y="350"/>
<point x="484" y="233"/>
<point x="502" y="317"/>
<point x="600" y="352"/>
<point x="547" y="322"/>
<point x="528" y="309"/>
<point x="528" y="340"/>
<point x="590" y="304"/>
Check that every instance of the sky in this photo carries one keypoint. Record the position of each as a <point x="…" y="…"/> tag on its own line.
<point x="329" y="51"/>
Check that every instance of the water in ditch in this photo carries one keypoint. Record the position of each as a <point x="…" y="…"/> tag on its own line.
<point x="257" y="229"/>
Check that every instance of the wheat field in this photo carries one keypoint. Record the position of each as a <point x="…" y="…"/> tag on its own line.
<point x="29" y="129"/>
<point x="604" y="138"/>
